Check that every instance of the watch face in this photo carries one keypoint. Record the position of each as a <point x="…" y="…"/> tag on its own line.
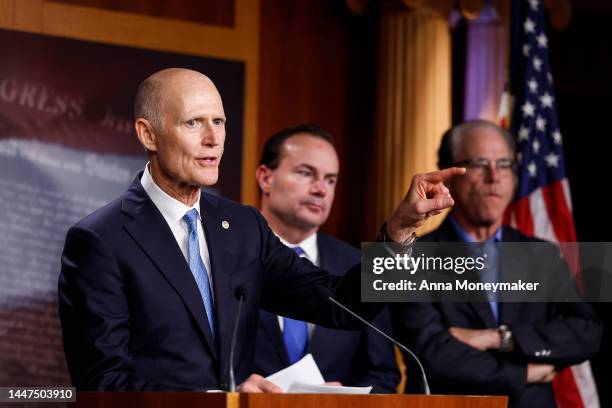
<point x="410" y="240"/>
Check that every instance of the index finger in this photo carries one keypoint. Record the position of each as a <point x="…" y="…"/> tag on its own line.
<point x="442" y="175"/>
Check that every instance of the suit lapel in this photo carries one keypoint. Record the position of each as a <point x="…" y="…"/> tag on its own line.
<point x="516" y="263"/>
<point x="269" y="323"/>
<point x="316" y="345"/>
<point x="483" y="310"/>
<point x="509" y="312"/>
<point x="149" y="229"/>
<point x="221" y="246"/>
<point x="448" y="233"/>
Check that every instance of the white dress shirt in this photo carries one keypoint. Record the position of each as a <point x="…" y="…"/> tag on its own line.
<point x="311" y="252"/>
<point x="173" y="212"/>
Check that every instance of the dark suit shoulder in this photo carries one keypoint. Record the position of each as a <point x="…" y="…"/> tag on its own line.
<point x="227" y="205"/>
<point x="117" y="211"/>
<point x="336" y="244"/>
<point x="513" y="235"/>
<point x="103" y="217"/>
<point x="131" y="203"/>
<point x="246" y="217"/>
<point x="336" y="256"/>
<point x="446" y="232"/>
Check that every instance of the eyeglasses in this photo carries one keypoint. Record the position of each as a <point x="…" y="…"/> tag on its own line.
<point x="480" y="165"/>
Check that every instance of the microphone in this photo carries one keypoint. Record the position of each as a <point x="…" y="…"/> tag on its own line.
<point x="241" y="294"/>
<point x="424" y="384"/>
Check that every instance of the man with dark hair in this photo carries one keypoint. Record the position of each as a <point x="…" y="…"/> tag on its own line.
<point x="151" y="283"/>
<point x="492" y="347"/>
<point x="271" y="155"/>
<point x="297" y="178"/>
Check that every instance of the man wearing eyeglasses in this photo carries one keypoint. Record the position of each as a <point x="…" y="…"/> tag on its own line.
<point x="492" y="347"/>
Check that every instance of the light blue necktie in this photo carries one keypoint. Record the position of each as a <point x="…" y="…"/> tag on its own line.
<point x="490" y="274"/>
<point x="198" y="269"/>
<point x="295" y="332"/>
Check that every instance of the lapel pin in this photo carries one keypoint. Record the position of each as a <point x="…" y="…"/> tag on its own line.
<point x="225" y="224"/>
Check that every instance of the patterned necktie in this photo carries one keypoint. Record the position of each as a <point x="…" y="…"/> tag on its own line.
<point x="198" y="269"/>
<point x="295" y="332"/>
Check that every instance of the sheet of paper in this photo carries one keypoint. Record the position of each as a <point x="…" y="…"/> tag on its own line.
<point x="305" y="371"/>
<point x="301" y="388"/>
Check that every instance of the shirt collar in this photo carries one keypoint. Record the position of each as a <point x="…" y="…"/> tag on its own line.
<point x="308" y="245"/>
<point x="171" y="209"/>
<point x="467" y="237"/>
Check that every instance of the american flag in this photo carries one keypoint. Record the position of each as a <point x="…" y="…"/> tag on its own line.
<point x="542" y="206"/>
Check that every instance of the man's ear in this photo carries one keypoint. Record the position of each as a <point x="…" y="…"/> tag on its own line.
<point x="146" y="134"/>
<point x="263" y="174"/>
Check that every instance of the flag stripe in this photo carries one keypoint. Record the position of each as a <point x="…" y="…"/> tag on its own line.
<point x="561" y="221"/>
<point x="543" y="227"/>
<point x="559" y="212"/>
<point x="522" y="216"/>
<point x="566" y="390"/>
<point x="568" y="196"/>
<point x="583" y="377"/>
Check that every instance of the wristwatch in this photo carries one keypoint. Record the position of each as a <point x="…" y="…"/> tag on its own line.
<point x="505" y="335"/>
<point x="404" y="247"/>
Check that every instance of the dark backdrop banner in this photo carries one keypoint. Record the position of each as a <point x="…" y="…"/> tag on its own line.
<point x="67" y="147"/>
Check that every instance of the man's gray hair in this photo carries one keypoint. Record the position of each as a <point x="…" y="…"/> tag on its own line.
<point x="450" y="140"/>
<point x="148" y="103"/>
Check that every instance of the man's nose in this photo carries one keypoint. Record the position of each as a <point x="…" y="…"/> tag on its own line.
<point x="319" y="187"/>
<point x="493" y="173"/>
<point x="211" y="135"/>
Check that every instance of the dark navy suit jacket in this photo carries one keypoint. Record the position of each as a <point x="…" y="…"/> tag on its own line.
<point x="353" y="357"/>
<point x="569" y="333"/>
<point x="132" y="316"/>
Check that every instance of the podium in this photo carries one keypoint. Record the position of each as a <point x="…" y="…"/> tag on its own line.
<point x="236" y="400"/>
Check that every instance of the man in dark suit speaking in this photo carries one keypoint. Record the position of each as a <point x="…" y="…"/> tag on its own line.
<point x="297" y="177"/>
<point x="147" y="290"/>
